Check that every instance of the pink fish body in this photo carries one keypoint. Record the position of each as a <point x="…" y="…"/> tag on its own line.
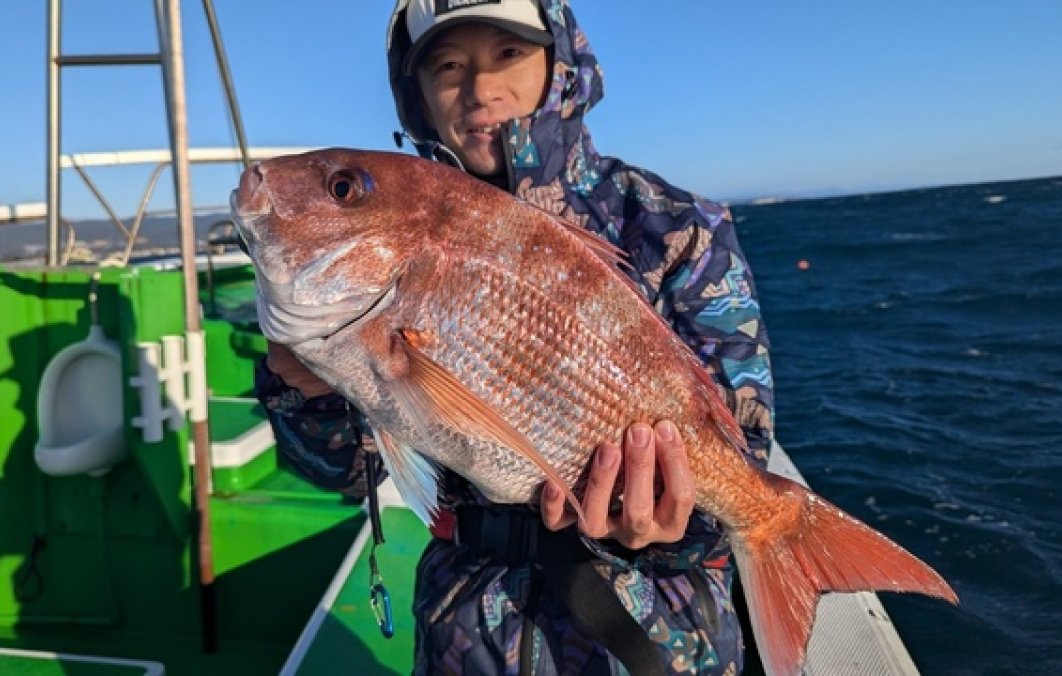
<point x="506" y="345"/>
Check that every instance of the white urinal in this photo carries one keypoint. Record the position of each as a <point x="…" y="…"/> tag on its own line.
<point x="79" y="409"/>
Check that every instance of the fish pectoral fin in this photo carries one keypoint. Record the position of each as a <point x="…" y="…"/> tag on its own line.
<point x="416" y="477"/>
<point x="432" y="389"/>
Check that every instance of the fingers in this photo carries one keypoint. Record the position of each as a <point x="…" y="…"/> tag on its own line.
<point x="282" y="362"/>
<point x="596" y="500"/>
<point x="551" y="505"/>
<point x="278" y="356"/>
<point x="676" y="504"/>
<point x="599" y="489"/>
<point x="637" y="523"/>
<point x="644" y="518"/>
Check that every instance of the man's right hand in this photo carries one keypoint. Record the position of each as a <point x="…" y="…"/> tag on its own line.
<point x="282" y="362"/>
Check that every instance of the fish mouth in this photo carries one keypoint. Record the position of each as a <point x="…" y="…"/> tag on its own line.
<point x="250" y="202"/>
<point x="242" y="216"/>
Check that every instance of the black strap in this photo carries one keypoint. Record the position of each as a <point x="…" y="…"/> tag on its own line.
<point x="372" y="479"/>
<point x="527" y="631"/>
<point x="598" y="613"/>
<point x="566" y="568"/>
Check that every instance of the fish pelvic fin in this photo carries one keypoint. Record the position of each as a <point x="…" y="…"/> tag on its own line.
<point x="785" y="568"/>
<point x="416" y="477"/>
<point x="430" y="388"/>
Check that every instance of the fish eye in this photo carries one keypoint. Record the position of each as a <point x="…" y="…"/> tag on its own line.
<point x="345" y="187"/>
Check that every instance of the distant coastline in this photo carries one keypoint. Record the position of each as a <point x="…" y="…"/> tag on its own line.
<point x="98" y="239"/>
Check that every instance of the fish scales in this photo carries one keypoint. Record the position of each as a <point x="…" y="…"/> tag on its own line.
<point x="505" y="344"/>
<point x="565" y="412"/>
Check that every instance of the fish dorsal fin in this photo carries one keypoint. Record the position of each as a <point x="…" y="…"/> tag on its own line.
<point x="617" y="258"/>
<point x="430" y="388"/>
<point x="720" y="412"/>
<point x="606" y="250"/>
<point x="416" y="477"/>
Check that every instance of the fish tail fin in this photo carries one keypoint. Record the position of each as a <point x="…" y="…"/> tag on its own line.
<point x="820" y="549"/>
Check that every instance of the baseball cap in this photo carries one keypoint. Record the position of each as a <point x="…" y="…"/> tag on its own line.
<point x="427" y="18"/>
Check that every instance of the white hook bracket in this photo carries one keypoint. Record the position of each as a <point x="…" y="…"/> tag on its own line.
<point x="179" y="366"/>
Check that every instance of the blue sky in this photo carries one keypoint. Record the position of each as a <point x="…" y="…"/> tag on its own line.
<point x="729" y="99"/>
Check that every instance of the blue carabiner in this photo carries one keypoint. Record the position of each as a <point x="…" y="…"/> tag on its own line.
<point x="385" y="618"/>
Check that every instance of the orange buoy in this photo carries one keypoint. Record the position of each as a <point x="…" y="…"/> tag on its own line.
<point x="803" y="264"/>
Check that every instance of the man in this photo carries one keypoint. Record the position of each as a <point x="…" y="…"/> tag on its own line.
<point x="499" y="88"/>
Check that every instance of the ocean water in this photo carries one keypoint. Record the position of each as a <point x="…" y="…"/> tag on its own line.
<point x="918" y="364"/>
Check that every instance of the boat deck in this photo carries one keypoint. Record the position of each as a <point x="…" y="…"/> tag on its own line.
<point x="342" y="636"/>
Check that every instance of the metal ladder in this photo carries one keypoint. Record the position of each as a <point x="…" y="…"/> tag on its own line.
<point x="171" y="58"/>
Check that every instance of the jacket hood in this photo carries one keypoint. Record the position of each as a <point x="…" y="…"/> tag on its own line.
<point x="538" y="144"/>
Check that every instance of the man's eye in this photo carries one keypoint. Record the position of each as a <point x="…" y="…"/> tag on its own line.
<point x="445" y="69"/>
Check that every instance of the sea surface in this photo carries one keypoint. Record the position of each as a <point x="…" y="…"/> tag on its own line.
<point x="918" y="366"/>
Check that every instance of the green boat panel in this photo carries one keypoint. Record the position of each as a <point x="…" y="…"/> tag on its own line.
<point x="248" y="476"/>
<point x="147" y="299"/>
<point x="231" y="417"/>
<point x="234" y="343"/>
<point x="92" y="566"/>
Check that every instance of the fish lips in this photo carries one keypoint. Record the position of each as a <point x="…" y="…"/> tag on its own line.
<point x="246" y="220"/>
<point x="251" y="197"/>
<point x="255" y="241"/>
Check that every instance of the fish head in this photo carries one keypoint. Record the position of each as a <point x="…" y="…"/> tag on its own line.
<point x="322" y="231"/>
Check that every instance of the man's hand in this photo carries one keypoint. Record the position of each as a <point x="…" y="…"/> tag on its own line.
<point x="643" y="520"/>
<point x="283" y="363"/>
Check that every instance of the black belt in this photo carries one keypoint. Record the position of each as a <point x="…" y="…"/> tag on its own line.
<point x="561" y="562"/>
<point x="516" y="537"/>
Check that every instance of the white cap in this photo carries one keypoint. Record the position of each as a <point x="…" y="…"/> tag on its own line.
<point x="426" y="18"/>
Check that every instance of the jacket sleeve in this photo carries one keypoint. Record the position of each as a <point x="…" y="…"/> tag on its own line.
<point x="322" y="438"/>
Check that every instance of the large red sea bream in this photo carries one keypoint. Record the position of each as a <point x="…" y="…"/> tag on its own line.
<point x="479" y="333"/>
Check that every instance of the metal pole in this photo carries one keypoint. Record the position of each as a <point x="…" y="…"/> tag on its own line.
<point x="110" y="60"/>
<point x="173" y="68"/>
<point x="226" y="81"/>
<point x="54" y="46"/>
<point x="164" y="51"/>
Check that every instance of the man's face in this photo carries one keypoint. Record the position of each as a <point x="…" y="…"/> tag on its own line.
<point x="474" y="78"/>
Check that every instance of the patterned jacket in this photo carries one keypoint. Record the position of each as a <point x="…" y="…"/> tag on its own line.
<point x="685" y="256"/>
